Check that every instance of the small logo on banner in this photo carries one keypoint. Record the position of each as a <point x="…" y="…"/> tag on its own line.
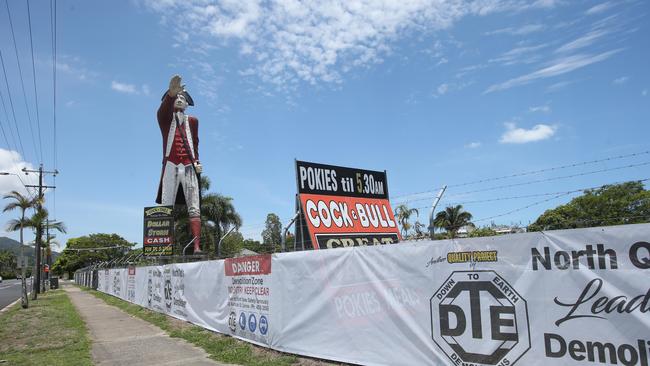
<point x="252" y="323"/>
<point x="168" y="294"/>
<point x="232" y="321"/>
<point x="264" y="325"/>
<point x="478" y="318"/>
<point x="242" y="321"/>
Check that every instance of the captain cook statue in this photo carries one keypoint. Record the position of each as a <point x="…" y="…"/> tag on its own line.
<point x="181" y="169"/>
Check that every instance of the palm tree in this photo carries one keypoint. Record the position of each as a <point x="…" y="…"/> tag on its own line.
<point x="24" y="204"/>
<point x="403" y="215"/>
<point x="38" y="222"/>
<point x="452" y="219"/>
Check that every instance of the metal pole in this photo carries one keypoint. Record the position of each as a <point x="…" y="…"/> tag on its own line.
<point x="220" y="240"/>
<point x="433" y="209"/>
<point x="286" y="229"/>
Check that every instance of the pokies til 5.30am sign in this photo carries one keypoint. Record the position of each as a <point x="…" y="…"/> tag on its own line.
<point x="158" y="231"/>
<point x="344" y="207"/>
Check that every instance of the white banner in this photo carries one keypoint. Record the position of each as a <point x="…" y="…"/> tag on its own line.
<point x="567" y="297"/>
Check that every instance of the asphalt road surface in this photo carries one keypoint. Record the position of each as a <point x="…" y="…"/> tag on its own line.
<point x="10" y="291"/>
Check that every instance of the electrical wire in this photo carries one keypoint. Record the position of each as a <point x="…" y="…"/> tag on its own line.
<point x="22" y="81"/>
<point x="561" y="193"/>
<point x="531" y="172"/>
<point x="53" y="32"/>
<point x="552" y="179"/>
<point x="38" y="117"/>
<point x="11" y="104"/>
<point x="11" y="132"/>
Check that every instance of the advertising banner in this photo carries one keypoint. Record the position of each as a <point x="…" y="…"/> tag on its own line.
<point x="158" y="231"/>
<point x="344" y="207"/>
<point x="249" y="293"/>
<point x="566" y="297"/>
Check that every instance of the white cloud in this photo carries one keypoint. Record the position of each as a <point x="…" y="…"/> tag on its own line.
<point x="559" y="86"/>
<point x="127" y="88"/>
<point x="473" y="145"/>
<point x="584" y="41"/>
<point x="11" y="162"/>
<point x="516" y="135"/>
<point x="517" y="55"/>
<point x="123" y="87"/>
<point x="290" y="41"/>
<point x="442" y="89"/>
<point x="523" y="30"/>
<point x="620" y="81"/>
<point x="644" y="92"/>
<point x="557" y="67"/>
<point x="541" y="108"/>
<point x="597" y="9"/>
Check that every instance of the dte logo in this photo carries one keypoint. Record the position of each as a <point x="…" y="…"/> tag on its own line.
<point x="478" y="318"/>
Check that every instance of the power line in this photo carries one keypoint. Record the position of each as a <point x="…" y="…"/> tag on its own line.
<point x="523" y="208"/>
<point x="53" y="33"/>
<point x="562" y="193"/>
<point x="11" y="132"/>
<point x="552" y="179"/>
<point x="20" y="73"/>
<point x="5" y="135"/>
<point x="11" y="103"/>
<point x="531" y="172"/>
<point x="38" y="118"/>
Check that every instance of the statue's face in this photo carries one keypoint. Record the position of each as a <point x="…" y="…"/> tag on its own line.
<point x="180" y="102"/>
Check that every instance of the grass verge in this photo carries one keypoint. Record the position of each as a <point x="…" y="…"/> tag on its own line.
<point x="220" y="347"/>
<point x="49" y="332"/>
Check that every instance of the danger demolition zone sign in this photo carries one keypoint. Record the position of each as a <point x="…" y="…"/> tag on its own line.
<point x="158" y="231"/>
<point x="344" y="207"/>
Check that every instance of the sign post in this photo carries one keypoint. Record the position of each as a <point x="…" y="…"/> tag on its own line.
<point x="158" y="231"/>
<point x="343" y="207"/>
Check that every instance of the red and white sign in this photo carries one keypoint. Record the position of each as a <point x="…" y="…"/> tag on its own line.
<point x="245" y="266"/>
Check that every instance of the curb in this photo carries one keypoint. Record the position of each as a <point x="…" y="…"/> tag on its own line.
<point x="6" y="308"/>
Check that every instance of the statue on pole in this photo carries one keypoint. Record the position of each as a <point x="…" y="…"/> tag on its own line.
<point x="181" y="170"/>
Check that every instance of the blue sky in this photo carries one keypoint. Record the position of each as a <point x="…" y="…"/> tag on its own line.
<point x="432" y="92"/>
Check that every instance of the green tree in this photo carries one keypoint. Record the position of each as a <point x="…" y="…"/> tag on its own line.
<point x="8" y="264"/>
<point x="483" y="231"/>
<point x="272" y="233"/>
<point x="232" y="244"/>
<point x="404" y="213"/>
<point x="452" y="219"/>
<point x="86" y="250"/>
<point x="618" y="204"/>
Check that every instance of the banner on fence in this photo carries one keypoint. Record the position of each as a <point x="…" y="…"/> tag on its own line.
<point x="344" y="207"/>
<point x="569" y="297"/>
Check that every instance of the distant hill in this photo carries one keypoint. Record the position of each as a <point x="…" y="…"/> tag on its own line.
<point x="14" y="246"/>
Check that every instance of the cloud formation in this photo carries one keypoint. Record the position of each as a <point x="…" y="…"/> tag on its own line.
<point x="129" y="88"/>
<point x="11" y="162"/>
<point x="473" y="145"/>
<point x="557" y="67"/>
<point x="289" y="41"/>
<point x="516" y="135"/>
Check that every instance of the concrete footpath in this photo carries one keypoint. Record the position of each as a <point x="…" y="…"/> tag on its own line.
<point x="121" y="339"/>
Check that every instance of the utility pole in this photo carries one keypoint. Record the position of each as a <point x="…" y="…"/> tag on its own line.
<point x="39" y="230"/>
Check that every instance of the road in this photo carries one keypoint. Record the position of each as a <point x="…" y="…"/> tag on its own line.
<point x="10" y="291"/>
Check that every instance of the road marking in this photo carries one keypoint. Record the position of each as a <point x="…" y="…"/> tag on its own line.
<point x="12" y="285"/>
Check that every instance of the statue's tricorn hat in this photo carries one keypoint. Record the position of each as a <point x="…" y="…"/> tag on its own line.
<point x="187" y="96"/>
